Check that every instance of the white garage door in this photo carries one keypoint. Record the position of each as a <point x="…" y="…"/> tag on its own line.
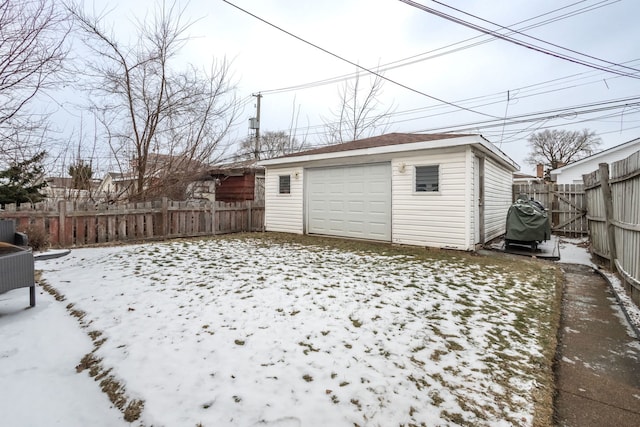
<point x="350" y="201"/>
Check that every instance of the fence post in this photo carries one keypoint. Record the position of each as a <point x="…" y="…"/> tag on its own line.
<point x="555" y="204"/>
<point x="608" y="213"/>
<point x="214" y="224"/>
<point x="249" y="220"/>
<point x="165" y="216"/>
<point x="62" y="214"/>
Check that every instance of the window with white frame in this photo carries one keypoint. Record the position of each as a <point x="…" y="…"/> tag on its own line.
<point x="284" y="184"/>
<point x="427" y="178"/>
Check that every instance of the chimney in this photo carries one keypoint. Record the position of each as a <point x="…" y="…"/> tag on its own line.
<point x="540" y="170"/>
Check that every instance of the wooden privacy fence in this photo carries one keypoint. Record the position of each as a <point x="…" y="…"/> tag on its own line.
<point x="613" y="203"/>
<point x="72" y="224"/>
<point x="564" y="202"/>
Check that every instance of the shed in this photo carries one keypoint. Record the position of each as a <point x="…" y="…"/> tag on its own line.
<point x="238" y="182"/>
<point x="436" y="190"/>
<point x="572" y="173"/>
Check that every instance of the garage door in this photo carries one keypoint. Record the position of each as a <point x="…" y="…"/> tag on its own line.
<point x="350" y="201"/>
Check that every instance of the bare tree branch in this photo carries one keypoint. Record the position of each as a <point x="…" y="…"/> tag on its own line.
<point x="167" y="117"/>
<point x="271" y="144"/>
<point x="359" y="113"/>
<point x="33" y="48"/>
<point x="556" y="148"/>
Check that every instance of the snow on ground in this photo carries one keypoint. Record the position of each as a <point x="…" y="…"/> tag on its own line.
<point x="575" y="251"/>
<point x="39" y="349"/>
<point x="252" y="332"/>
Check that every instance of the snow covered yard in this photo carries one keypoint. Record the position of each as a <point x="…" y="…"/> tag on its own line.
<point x="291" y="331"/>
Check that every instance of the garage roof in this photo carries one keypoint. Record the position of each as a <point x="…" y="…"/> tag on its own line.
<point x="378" y="141"/>
<point x="392" y="142"/>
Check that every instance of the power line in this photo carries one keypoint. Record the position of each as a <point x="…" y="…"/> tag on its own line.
<point x="491" y="99"/>
<point x="516" y="41"/>
<point x="547" y="114"/>
<point x="422" y="56"/>
<point x="377" y="74"/>
<point x="635" y="70"/>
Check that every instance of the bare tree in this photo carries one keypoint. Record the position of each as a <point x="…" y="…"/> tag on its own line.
<point x="33" y="48"/>
<point x="360" y="113"/>
<point x="556" y="148"/>
<point x="161" y="121"/>
<point x="271" y="144"/>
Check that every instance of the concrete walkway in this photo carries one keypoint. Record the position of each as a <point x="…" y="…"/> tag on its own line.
<point x="598" y="366"/>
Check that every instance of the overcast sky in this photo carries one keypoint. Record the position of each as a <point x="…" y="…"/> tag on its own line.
<point x="485" y="83"/>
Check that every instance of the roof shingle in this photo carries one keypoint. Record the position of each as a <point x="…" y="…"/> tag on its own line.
<point x="378" y="141"/>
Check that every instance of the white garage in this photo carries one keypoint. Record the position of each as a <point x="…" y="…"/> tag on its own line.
<point x="442" y="190"/>
<point x="349" y="201"/>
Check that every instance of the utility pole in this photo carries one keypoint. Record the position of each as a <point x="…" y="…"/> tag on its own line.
<point x="257" y="127"/>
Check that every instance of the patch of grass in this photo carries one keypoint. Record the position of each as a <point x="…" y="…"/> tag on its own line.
<point x="308" y="378"/>
<point x="356" y="402"/>
<point x="456" y="419"/>
<point x="50" y="289"/>
<point x="133" y="410"/>
<point x="454" y="346"/>
<point x="436" y="399"/>
<point x="239" y="342"/>
<point x="308" y="347"/>
<point x="416" y="362"/>
<point x="88" y="361"/>
<point x="420" y="383"/>
<point x="94" y="335"/>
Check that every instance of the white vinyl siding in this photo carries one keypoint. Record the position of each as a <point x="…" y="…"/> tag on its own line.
<point x="572" y="173"/>
<point x="497" y="198"/>
<point x="349" y="201"/>
<point x="447" y="218"/>
<point x="284" y="212"/>
<point x="436" y="219"/>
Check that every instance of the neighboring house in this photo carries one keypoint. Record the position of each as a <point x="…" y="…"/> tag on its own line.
<point x="165" y="176"/>
<point x="442" y="190"/>
<point x="523" y="178"/>
<point x="572" y="173"/>
<point x="238" y="182"/>
<point x="116" y="186"/>
<point x="61" y="188"/>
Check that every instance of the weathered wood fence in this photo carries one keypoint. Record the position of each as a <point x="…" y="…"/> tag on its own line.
<point x="613" y="204"/>
<point x="72" y="224"/>
<point x="564" y="202"/>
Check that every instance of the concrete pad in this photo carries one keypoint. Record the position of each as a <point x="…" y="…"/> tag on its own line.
<point x="548" y="249"/>
<point x="597" y="375"/>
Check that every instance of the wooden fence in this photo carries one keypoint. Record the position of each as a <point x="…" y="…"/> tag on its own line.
<point x="72" y="224"/>
<point x="613" y="203"/>
<point x="564" y="202"/>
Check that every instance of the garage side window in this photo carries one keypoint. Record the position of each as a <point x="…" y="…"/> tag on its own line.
<point x="284" y="184"/>
<point x="427" y="178"/>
